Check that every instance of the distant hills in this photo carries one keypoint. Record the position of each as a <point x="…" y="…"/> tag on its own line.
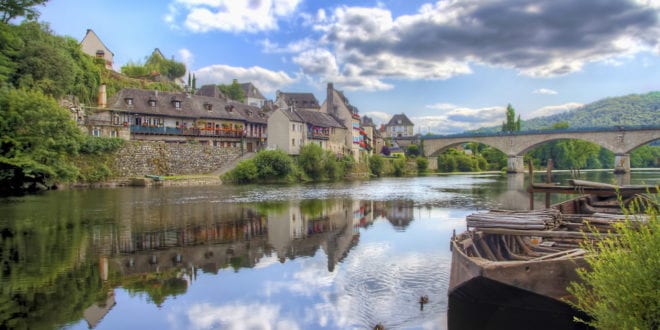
<point x="629" y="110"/>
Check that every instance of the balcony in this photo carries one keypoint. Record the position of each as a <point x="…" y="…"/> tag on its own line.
<point x="221" y="132"/>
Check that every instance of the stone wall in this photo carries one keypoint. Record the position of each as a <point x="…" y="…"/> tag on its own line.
<point x="139" y="158"/>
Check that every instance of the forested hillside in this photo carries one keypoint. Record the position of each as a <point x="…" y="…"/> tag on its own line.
<point x="630" y="110"/>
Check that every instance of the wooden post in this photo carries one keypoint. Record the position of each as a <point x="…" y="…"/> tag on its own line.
<point x="530" y="168"/>
<point x="548" y="179"/>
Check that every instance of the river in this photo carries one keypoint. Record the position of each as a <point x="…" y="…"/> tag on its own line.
<point x="347" y="255"/>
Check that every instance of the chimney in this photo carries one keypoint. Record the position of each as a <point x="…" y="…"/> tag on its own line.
<point x="103" y="97"/>
<point x="330" y="107"/>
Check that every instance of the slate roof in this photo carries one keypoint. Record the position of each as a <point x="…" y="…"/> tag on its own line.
<point x="250" y="113"/>
<point x="210" y="91"/>
<point x="404" y="120"/>
<point x="319" y="119"/>
<point x="249" y="90"/>
<point x="192" y="106"/>
<point x="301" y="100"/>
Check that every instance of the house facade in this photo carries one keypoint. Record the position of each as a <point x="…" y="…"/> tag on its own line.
<point x="356" y="140"/>
<point x="252" y="95"/>
<point x="92" y="45"/>
<point x="176" y="117"/>
<point x="291" y="129"/>
<point x="399" y="126"/>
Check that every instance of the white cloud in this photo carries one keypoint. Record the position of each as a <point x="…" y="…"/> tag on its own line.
<point x="443" y="39"/>
<point x="231" y="16"/>
<point x="545" y="91"/>
<point x="187" y="57"/>
<point x="266" y="80"/>
<point x="379" y="117"/>
<point x="452" y="119"/>
<point x="551" y="110"/>
<point x="243" y="316"/>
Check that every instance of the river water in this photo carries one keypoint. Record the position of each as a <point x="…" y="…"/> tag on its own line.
<point x="344" y="255"/>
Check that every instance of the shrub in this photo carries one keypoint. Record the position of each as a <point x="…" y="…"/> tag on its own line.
<point x="100" y="145"/>
<point x="399" y="166"/>
<point x="620" y="291"/>
<point x="376" y="164"/>
<point x="273" y="164"/>
<point x="422" y="164"/>
<point x="311" y="161"/>
<point x="245" y="172"/>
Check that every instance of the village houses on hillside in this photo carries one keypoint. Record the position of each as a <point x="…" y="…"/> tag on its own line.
<point x="206" y="116"/>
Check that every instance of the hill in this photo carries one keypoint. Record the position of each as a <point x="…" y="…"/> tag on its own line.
<point x="630" y="110"/>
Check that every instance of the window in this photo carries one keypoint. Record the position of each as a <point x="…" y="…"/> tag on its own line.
<point x="129" y="101"/>
<point x="208" y="106"/>
<point x="177" y="104"/>
<point x="152" y="103"/>
<point x="113" y="134"/>
<point x="293" y="127"/>
<point x="293" y="142"/>
<point x="96" y="132"/>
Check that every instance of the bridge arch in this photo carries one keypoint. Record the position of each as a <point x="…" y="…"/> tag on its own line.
<point x="620" y="140"/>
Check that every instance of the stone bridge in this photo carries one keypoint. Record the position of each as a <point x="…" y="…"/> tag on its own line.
<point x="620" y="140"/>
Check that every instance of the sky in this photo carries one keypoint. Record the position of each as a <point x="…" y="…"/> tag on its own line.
<point x="450" y="65"/>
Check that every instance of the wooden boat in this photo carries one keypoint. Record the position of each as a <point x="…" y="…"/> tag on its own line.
<point x="505" y="255"/>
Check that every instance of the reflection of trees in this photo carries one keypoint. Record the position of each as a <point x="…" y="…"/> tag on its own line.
<point x="157" y="286"/>
<point x="44" y="279"/>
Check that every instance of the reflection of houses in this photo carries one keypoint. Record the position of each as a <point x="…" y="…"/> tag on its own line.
<point x="293" y="233"/>
<point x="399" y="213"/>
<point x="92" y="45"/>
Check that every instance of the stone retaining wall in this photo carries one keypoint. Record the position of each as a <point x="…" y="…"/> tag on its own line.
<point x="139" y="158"/>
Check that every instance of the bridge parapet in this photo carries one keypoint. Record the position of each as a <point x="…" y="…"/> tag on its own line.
<point x="621" y="140"/>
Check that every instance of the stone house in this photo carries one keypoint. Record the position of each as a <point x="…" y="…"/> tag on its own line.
<point x="357" y="140"/>
<point x="297" y="101"/>
<point x="92" y="45"/>
<point x="252" y="95"/>
<point x="399" y="126"/>
<point x="293" y="128"/>
<point x="176" y="117"/>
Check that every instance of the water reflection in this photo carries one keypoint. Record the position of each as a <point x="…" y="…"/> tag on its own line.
<point x="334" y="256"/>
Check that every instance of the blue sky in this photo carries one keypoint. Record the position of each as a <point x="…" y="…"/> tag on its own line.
<point x="448" y="65"/>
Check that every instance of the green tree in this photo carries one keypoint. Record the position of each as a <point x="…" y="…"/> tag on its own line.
<point x="511" y="124"/>
<point x="233" y="91"/>
<point x="311" y="161"/>
<point x="412" y="150"/>
<point x="620" y="287"/>
<point x="422" y="164"/>
<point x="399" y="167"/>
<point x="11" y="9"/>
<point x="273" y="164"/>
<point x="37" y="139"/>
<point x="376" y="164"/>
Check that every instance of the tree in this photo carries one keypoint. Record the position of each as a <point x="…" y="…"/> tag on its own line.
<point x="511" y="124"/>
<point x="233" y="91"/>
<point x="38" y="136"/>
<point x="412" y="150"/>
<point x="311" y="161"/>
<point x="11" y="9"/>
<point x="376" y="164"/>
<point x="620" y="287"/>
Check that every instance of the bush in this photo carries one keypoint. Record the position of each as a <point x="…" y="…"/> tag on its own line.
<point x="99" y="145"/>
<point x="245" y="172"/>
<point x="311" y="161"/>
<point x="376" y="164"/>
<point x="273" y="164"/>
<point x="399" y="166"/>
<point x="620" y="291"/>
<point x="422" y="164"/>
